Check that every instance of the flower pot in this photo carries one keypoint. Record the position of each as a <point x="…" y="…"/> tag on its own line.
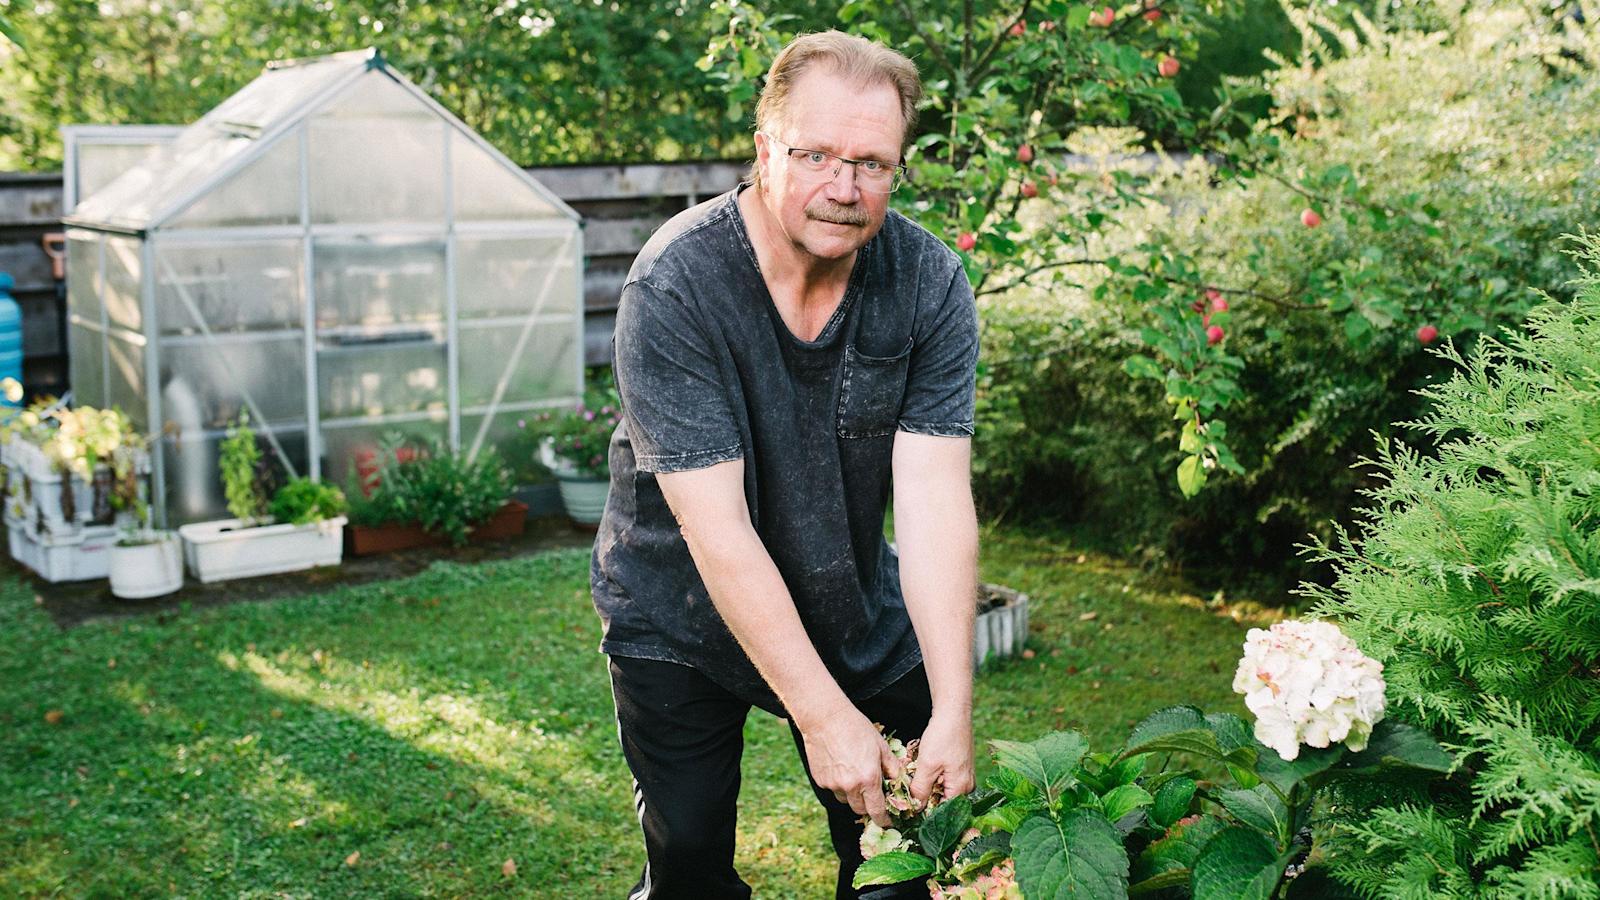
<point x="542" y="499"/>
<point x="365" y="540"/>
<point x="227" y="548"/>
<point x="140" y="571"/>
<point x="1001" y="627"/>
<point x="584" y="497"/>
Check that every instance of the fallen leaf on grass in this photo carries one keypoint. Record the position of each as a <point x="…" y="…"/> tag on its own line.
<point x="299" y="823"/>
<point x="1027" y="654"/>
<point x="353" y="858"/>
<point x="54" y="716"/>
<point x="1088" y="617"/>
<point x="509" y="868"/>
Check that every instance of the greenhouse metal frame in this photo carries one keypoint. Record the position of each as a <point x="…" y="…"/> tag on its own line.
<point x="315" y="282"/>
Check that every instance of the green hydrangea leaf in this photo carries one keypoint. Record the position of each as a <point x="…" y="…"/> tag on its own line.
<point x="1238" y="864"/>
<point x="1398" y="745"/>
<point x="1172" y="801"/>
<point x="942" y="827"/>
<point x="1125" y="799"/>
<point x="1182" y="729"/>
<point x="1079" y="856"/>
<point x="892" y="868"/>
<point x="1178" y="850"/>
<point x="1260" y="809"/>
<point x="1047" y="762"/>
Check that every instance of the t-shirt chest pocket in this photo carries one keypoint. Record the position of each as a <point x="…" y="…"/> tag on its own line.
<point x="871" y="392"/>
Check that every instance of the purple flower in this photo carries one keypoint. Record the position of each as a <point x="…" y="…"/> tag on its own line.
<point x="522" y="423"/>
<point x="588" y="416"/>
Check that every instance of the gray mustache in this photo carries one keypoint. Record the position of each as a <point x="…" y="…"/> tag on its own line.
<point x="828" y="211"/>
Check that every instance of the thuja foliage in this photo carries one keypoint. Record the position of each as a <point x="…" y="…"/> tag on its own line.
<point x="1475" y="579"/>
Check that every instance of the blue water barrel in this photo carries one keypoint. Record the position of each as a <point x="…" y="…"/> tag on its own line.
<point x="10" y="334"/>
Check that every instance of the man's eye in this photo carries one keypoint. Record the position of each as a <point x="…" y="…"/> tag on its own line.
<point x="815" y="158"/>
<point x="873" y="167"/>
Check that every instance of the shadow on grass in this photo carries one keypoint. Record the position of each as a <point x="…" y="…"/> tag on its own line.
<point x="200" y="762"/>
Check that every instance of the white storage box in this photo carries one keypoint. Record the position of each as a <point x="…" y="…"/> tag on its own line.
<point x="223" y="549"/>
<point x="81" y="556"/>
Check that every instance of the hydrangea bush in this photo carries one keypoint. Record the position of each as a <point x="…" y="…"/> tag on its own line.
<point x="1058" y="820"/>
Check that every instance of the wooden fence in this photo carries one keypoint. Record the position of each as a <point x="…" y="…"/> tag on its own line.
<point x="621" y="206"/>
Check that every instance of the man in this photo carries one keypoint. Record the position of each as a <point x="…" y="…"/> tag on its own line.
<point x="781" y="352"/>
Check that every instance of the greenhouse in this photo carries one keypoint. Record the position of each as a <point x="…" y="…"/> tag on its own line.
<point x="333" y="253"/>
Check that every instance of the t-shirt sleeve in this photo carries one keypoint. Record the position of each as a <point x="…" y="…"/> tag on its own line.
<point x="942" y="382"/>
<point x="667" y="372"/>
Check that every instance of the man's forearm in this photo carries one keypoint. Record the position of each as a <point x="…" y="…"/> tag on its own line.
<point x="750" y="595"/>
<point x="936" y="532"/>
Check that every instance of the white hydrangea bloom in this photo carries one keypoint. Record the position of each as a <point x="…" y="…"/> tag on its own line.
<point x="1307" y="683"/>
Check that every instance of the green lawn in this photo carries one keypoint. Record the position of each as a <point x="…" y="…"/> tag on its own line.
<point x="407" y="738"/>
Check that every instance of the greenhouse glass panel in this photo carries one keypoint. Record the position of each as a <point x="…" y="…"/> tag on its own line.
<point x="486" y="190"/>
<point x="546" y="368"/>
<point x="345" y="449"/>
<point x="87" y="357"/>
<point x="204" y="384"/>
<point x="265" y="192"/>
<point x="121" y="290"/>
<point x="101" y="164"/>
<point x="83" y="275"/>
<point x="501" y="276"/>
<point x="509" y="435"/>
<point x="381" y="379"/>
<point x="193" y="481"/>
<point x="362" y="283"/>
<point x="125" y="371"/>
<point x="233" y="285"/>
<point x="377" y="155"/>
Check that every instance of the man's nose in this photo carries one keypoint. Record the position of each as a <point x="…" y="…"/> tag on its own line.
<point x="842" y="188"/>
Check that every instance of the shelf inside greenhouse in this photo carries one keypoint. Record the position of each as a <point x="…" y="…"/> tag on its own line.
<point x="333" y="253"/>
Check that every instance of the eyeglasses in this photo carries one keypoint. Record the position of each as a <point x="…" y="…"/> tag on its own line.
<point x="816" y="166"/>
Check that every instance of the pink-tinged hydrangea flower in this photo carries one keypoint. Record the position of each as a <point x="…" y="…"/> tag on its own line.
<point x="875" y="840"/>
<point x="999" y="883"/>
<point x="1307" y="683"/>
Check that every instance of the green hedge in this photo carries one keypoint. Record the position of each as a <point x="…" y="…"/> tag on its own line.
<point x="1489" y="126"/>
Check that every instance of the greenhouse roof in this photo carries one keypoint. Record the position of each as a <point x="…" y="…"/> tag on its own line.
<point x="238" y="130"/>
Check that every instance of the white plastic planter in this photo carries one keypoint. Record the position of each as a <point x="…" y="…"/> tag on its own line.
<point x="34" y="489"/>
<point x="82" y="556"/>
<point x="1001" y="628"/>
<point x="584" y="498"/>
<point x="140" y="571"/>
<point x="224" y="549"/>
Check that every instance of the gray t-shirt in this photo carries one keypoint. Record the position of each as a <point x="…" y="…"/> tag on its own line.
<point x="709" y="372"/>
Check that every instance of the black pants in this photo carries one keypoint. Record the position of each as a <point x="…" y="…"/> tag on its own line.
<point x="682" y="736"/>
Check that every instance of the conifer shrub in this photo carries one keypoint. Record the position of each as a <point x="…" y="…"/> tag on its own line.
<point x="1474" y="577"/>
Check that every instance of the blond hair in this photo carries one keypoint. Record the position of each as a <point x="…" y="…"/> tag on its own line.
<point x="857" y="60"/>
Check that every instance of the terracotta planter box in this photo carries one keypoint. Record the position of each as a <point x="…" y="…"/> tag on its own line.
<point x="365" y="540"/>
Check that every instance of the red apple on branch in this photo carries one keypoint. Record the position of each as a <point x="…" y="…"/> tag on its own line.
<point x="965" y="241"/>
<point x="1168" y="67"/>
<point x="1213" y="335"/>
<point x="1427" y="334"/>
<point x="1309" y="218"/>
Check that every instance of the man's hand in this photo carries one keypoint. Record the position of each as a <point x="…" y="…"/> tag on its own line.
<point x="944" y="757"/>
<point x="848" y="756"/>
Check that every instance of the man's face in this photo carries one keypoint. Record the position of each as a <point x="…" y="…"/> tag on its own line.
<point x="830" y="219"/>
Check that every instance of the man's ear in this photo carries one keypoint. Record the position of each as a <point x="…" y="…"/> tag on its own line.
<point x="763" y="156"/>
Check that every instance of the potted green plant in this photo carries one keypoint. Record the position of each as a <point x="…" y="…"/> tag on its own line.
<point x="573" y="447"/>
<point x="63" y="467"/>
<point x="145" y="562"/>
<point x="532" y="483"/>
<point x="428" y="496"/>
<point x="299" y="527"/>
